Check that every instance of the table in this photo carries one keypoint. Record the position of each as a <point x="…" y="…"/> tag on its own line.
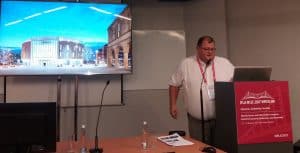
<point x="133" y="145"/>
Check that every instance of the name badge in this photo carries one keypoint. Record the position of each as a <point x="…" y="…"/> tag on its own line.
<point x="211" y="92"/>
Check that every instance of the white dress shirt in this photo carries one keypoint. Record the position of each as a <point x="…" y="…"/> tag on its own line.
<point x="188" y="76"/>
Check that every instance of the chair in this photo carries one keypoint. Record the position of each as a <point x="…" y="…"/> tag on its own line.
<point x="179" y="132"/>
<point x="297" y="146"/>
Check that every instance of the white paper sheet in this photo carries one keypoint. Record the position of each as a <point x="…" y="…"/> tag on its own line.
<point x="174" y="140"/>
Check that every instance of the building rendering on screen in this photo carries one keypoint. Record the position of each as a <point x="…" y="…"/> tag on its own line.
<point x="52" y="52"/>
<point x="119" y="41"/>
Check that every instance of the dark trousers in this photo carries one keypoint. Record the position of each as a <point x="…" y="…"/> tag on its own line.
<point x="195" y="129"/>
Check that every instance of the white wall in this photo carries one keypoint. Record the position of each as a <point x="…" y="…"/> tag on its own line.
<point x="156" y="55"/>
<point x="267" y="32"/>
<point x="44" y="89"/>
<point x="205" y="17"/>
<point x="123" y="121"/>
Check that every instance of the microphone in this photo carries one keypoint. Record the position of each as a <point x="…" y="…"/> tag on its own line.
<point x="97" y="149"/>
<point x="201" y="101"/>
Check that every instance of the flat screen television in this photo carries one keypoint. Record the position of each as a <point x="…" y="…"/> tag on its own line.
<point x="64" y="38"/>
<point x="27" y="126"/>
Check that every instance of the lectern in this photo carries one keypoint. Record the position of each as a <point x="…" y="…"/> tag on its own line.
<point x="253" y="117"/>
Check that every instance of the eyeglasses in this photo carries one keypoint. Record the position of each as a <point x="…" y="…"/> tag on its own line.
<point x="209" y="49"/>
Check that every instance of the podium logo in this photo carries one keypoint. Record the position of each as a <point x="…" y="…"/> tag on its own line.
<point x="281" y="135"/>
<point x="257" y="98"/>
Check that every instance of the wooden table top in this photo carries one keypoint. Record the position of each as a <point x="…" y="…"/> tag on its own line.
<point x="133" y="145"/>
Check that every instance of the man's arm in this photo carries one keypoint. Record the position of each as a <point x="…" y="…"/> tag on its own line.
<point x="173" y="94"/>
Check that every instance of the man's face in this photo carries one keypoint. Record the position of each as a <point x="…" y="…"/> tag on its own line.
<point x="206" y="51"/>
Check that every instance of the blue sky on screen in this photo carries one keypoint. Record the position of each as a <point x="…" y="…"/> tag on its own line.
<point x="86" y="22"/>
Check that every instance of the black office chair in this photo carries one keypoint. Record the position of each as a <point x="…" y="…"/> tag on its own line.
<point x="297" y="146"/>
<point x="179" y="132"/>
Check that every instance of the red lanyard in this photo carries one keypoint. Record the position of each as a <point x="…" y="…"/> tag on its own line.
<point x="202" y="71"/>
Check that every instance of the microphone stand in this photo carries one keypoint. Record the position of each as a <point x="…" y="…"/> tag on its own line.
<point x="201" y="102"/>
<point x="202" y="115"/>
<point x="97" y="149"/>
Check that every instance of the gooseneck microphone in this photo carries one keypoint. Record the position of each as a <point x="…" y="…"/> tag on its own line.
<point x="97" y="149"/>
<point x="201" y="102"/>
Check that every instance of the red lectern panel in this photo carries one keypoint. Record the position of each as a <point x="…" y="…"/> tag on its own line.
<point x="262" y="112"/>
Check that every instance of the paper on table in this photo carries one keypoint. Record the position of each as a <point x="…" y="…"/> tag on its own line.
<point x="174" y="140"/>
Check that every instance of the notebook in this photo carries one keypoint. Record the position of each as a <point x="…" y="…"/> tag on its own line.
<point x="252" y="73"/>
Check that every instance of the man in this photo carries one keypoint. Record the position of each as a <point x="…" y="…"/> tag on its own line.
<point x="202" y="69"/>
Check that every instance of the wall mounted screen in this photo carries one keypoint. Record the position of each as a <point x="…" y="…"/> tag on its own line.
<point x="64" y="38"/>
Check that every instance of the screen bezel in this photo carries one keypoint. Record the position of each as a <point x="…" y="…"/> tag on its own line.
<point x="110" y="70"/>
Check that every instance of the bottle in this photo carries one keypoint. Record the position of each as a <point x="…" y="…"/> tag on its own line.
<point x="145" y="135"/>
<point x="82" y="140"/>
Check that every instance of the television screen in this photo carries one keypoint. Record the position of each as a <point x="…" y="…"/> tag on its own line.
<point x="64" y="38"/>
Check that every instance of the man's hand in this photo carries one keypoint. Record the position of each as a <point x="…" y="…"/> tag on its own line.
<point x="173" y="93"/>
<point x="173" y="111"/>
